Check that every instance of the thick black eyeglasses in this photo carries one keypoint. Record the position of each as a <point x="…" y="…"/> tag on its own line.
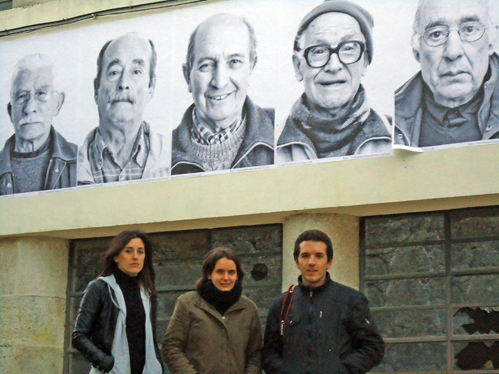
<point x="348" y="52"/>
<point x="469" y="32"/>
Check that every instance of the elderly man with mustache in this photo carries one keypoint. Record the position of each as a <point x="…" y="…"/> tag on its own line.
<point x="455" y="96"/>
<point x="36" y="157"/>
<point x="123" y="147"/>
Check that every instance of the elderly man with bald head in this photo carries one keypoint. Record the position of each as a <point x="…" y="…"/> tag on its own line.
<point x="223" y="129"/>
<point x="123" y="146"/>
<point x="332" y="118"/>
<point x="455" y="96"/>
<point x="36" y="157"/>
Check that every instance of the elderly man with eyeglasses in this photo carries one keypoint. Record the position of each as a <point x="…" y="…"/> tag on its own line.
<point x="332" y="50"/>
<point x="37" y="157"/>
<point x="455" y="96"/>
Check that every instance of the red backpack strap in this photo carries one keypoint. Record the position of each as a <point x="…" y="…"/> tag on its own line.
<point x="286" y="305"/>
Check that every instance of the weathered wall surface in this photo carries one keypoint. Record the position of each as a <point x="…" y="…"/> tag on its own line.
<point x="33" y="281"/>
<point x="28" y="3"/>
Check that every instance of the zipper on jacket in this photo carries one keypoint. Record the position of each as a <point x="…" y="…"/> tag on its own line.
<point x="311" y="306"/>
<point x="12" y="183"/>
<point x="320" y="323"/>
<point x="45" y="183"/>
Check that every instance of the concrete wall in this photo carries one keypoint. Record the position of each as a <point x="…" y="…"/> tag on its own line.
<point x="405" y="182"/>
<point x="33" y="282"/>
<point x="28" y="3"/>
<point x="32" y="12"/>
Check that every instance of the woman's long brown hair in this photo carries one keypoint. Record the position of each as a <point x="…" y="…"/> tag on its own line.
<point x="146" y="276"/>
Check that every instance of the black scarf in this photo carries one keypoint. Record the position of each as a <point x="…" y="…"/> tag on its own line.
<point x="332" y="136"/>
<point x="220" y="300"/>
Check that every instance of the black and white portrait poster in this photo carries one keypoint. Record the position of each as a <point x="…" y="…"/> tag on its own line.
<point x="260" y="84"/>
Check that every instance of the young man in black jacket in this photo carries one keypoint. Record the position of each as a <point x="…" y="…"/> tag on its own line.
<point x="322" y="326"/>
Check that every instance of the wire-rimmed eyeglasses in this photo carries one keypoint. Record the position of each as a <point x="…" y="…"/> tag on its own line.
<point x="469" y="32"/>
<point x="348" y="52"/>
<point x="22" y="97"/>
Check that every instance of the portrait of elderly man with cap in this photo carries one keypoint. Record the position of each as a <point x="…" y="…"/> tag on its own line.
<point x="455" y="96"/>
<point x="332" y="50"/>
<point x="36" y="157"/>
<point x="223" y="129"/>
<point x="123" y="146"/>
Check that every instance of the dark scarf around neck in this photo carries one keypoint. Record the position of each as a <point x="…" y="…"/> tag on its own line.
<point x="332" y="136"/>
<point x="220" y="300"/>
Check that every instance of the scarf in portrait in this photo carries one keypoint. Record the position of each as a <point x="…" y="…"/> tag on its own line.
<point x="332" y="136"/>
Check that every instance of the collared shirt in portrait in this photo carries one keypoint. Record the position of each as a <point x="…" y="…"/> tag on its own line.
<point x="442" y="125"/>
<point x="203" y="134"/>
<point x="256" y="149"/>
<point x="106" y="169"/>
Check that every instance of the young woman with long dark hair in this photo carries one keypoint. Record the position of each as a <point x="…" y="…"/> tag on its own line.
<point x="114" y="328"/>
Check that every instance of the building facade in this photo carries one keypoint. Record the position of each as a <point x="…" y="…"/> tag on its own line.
<point x="416" y="231"/>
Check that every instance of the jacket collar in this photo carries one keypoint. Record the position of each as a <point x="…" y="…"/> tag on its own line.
<point x="58" y="147"/>
<point x="259" y="131"/>
<point x="5" y="166"/>
<point x="182" y="151"/>
<point x="118" y="298"/>
<point x="489" y="112"/>
<point x="409" y="97"/>
<point x="319" y="289"/>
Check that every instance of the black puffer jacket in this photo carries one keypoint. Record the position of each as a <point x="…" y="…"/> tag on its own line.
<point x="328" y="330"/>
<point x="96" y="324"/>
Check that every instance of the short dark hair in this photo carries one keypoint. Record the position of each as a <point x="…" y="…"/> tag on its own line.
<point x="189" y="61"/>
<point x="314" y="236"/>
<point x="211" y="260"/>
<point x="118" y="243"/>
<point x="152" y="64"/>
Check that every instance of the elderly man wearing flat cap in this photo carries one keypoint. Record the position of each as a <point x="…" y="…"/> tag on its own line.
<point x="332" y="50"/>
